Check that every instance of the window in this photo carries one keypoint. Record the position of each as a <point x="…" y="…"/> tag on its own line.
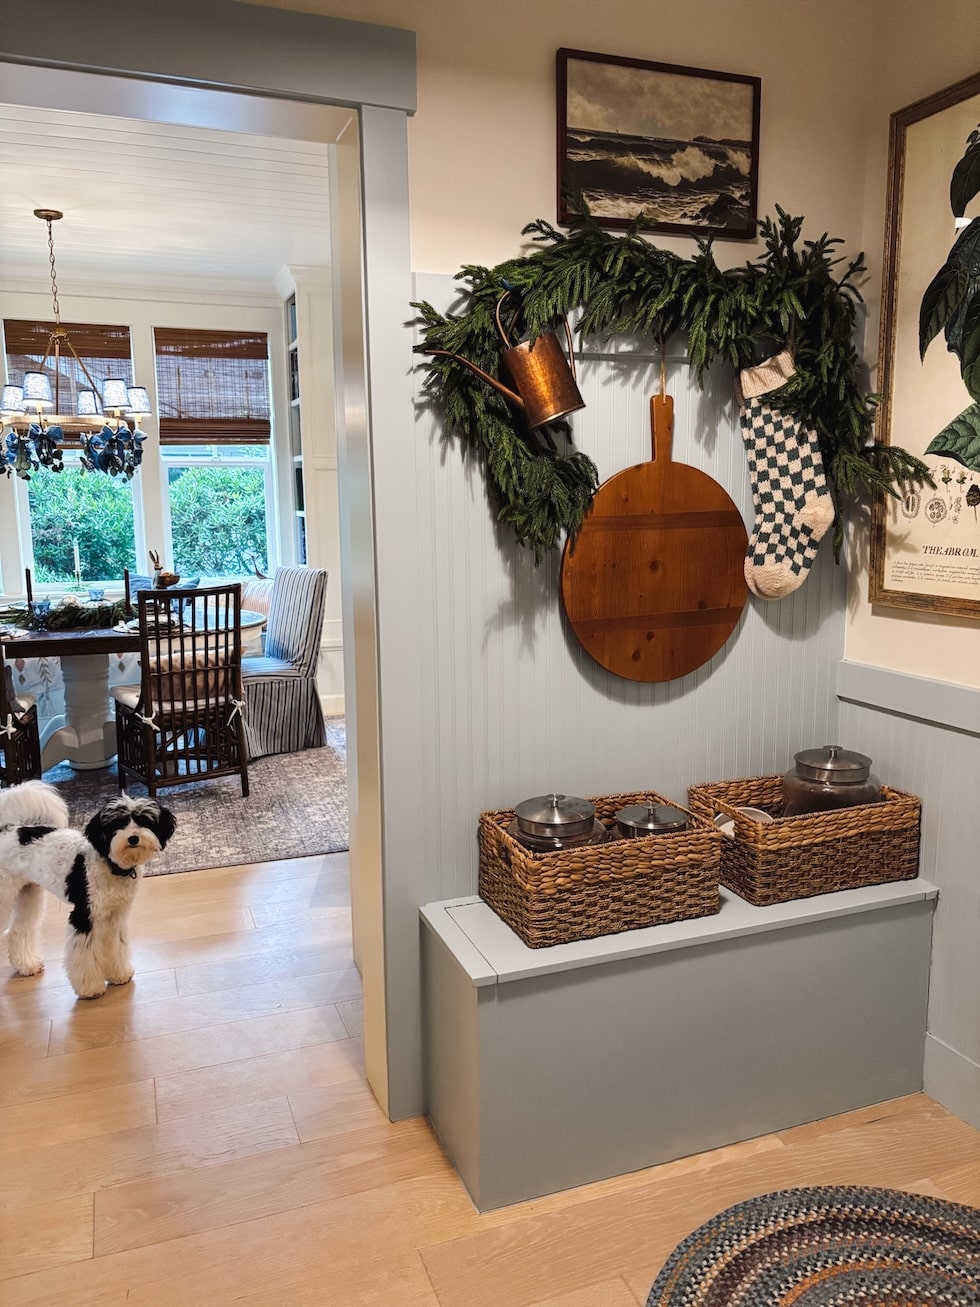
<point x="72" y="507"/>
<point x="215" y="432"/>
<point x="87" y="509"/>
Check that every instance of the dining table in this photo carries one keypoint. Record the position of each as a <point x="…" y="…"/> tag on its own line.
<point x="84" y="735"/>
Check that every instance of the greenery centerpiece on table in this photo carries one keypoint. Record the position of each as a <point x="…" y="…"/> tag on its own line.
<point x="803" y="293"/>
<point x="70" y="615"/>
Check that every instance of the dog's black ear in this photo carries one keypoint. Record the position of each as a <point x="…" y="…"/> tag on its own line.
<point x="97" y="835"/>
<point x="167" y="826"/>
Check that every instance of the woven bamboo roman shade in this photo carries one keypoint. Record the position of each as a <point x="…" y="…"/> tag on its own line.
<point x="92" y="341"/>
<point x="105" y="351"/>
<point x="212" y="387"/>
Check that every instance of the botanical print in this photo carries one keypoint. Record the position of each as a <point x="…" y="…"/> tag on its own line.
<point x="933" y="535"/>
<point x="675" y="149"/>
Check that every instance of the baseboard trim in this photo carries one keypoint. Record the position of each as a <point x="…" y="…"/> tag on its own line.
<point x="952" y="1079"/>
<point x="332" y="704"/>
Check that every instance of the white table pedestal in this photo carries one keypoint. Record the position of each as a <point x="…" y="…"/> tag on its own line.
<point x="85" y="734"/>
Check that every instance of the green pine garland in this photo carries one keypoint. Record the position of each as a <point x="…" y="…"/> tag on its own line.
<point x="70" y="615"/>
<point x="624" y="286"/>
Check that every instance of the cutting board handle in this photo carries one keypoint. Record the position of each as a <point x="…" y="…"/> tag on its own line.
<point x="661" y="428"/>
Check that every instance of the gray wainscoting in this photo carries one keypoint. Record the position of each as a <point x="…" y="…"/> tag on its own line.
<point x="925" y="738"/>
<point x="513" y="707"/>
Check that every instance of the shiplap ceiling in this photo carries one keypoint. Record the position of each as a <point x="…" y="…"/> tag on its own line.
<point x="152" y="203"/>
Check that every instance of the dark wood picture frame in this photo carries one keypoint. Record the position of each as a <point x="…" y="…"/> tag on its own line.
<point x="925" y="548"/>
<point x="676" y="146"/>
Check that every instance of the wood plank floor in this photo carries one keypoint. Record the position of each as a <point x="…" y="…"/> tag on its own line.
<point x="205" y="1135"/>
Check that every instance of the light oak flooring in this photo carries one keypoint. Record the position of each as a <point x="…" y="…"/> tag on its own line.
<point x="205" y="1136"/>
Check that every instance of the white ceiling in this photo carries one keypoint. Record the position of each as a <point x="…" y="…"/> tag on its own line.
<point x="172" y="206"/>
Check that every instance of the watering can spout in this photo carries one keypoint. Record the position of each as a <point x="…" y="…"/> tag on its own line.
<point x="543" y="376"/>
<point x="497" y="385"/>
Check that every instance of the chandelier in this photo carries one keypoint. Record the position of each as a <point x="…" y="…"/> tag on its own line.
<point x="32" y="421"/>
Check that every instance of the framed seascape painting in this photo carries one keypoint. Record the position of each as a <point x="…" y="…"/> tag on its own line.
<point x="925" y="547"/>
<point x="675" y="148"/>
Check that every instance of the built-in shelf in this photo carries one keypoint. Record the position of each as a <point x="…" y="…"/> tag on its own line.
<point x="295" y="428"/>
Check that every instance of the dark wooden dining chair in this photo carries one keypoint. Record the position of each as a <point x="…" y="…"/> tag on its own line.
<point x="183" y="722"/>
<point x="20" y="740"/>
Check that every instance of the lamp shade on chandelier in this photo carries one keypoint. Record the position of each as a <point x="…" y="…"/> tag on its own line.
<point x="104" y="425"/>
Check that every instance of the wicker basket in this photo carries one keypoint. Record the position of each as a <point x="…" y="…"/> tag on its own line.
<point x="817" y="853"/>
<point x="554" y="898"/>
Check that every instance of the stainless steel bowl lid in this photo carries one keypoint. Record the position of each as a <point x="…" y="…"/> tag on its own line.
<point x="555" y="814"/>
<point x="651" y="817"/>
<point x="558" y="843"/>
<point x="833" y="764"/>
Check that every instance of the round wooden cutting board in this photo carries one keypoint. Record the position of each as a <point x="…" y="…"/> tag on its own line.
<point x="654" y="583"/>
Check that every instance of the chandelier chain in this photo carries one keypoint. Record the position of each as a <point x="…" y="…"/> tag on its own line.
<point x="54" y="276"/>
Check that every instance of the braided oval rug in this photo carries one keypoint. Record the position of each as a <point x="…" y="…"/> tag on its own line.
<point x="829" y="1246"/>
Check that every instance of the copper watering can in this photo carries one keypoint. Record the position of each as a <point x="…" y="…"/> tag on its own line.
<point x="543" y="375"/>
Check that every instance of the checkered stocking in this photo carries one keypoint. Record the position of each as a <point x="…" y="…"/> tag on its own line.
<point x="793" y="506"/>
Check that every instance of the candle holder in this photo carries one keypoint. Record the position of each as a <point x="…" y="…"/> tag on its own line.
<point x="38" y="611"/>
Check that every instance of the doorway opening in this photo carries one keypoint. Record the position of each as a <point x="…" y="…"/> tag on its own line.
<point x="375" y="69"/>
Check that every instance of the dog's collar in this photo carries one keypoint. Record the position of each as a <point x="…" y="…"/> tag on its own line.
<point x="121" y="871"/>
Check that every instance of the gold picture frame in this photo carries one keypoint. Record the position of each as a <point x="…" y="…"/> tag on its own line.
<point x="925" y="547"/>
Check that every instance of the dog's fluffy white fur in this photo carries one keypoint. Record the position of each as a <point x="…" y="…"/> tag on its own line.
<point x="97" y="871"/>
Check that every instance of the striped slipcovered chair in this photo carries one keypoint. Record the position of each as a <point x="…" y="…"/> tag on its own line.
<point x="283" y="713"/>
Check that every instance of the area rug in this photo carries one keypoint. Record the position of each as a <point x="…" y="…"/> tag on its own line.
<point x="827" y="1247"/>
<point x="296" y="807"/>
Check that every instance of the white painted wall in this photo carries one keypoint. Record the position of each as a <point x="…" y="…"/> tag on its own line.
<point x="482" y="143"/>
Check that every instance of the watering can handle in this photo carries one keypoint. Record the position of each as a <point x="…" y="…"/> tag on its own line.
<point x="571" y="346"/>
<point x="505" y="337"/>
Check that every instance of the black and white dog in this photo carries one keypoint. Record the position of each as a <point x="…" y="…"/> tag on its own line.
<point x="97" y="872"/>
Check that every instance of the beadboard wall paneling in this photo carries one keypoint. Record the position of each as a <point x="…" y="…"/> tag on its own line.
<point x="939" y="760"/>
<point x="513" y="705"/>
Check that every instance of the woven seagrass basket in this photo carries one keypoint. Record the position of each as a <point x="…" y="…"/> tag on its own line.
<point x="554" y="898"/>
<point x="816" y="853"/>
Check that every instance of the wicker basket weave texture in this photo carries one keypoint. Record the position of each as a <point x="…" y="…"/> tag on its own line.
<point x="816" y="853"/>
<point x="602" y="889"/>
